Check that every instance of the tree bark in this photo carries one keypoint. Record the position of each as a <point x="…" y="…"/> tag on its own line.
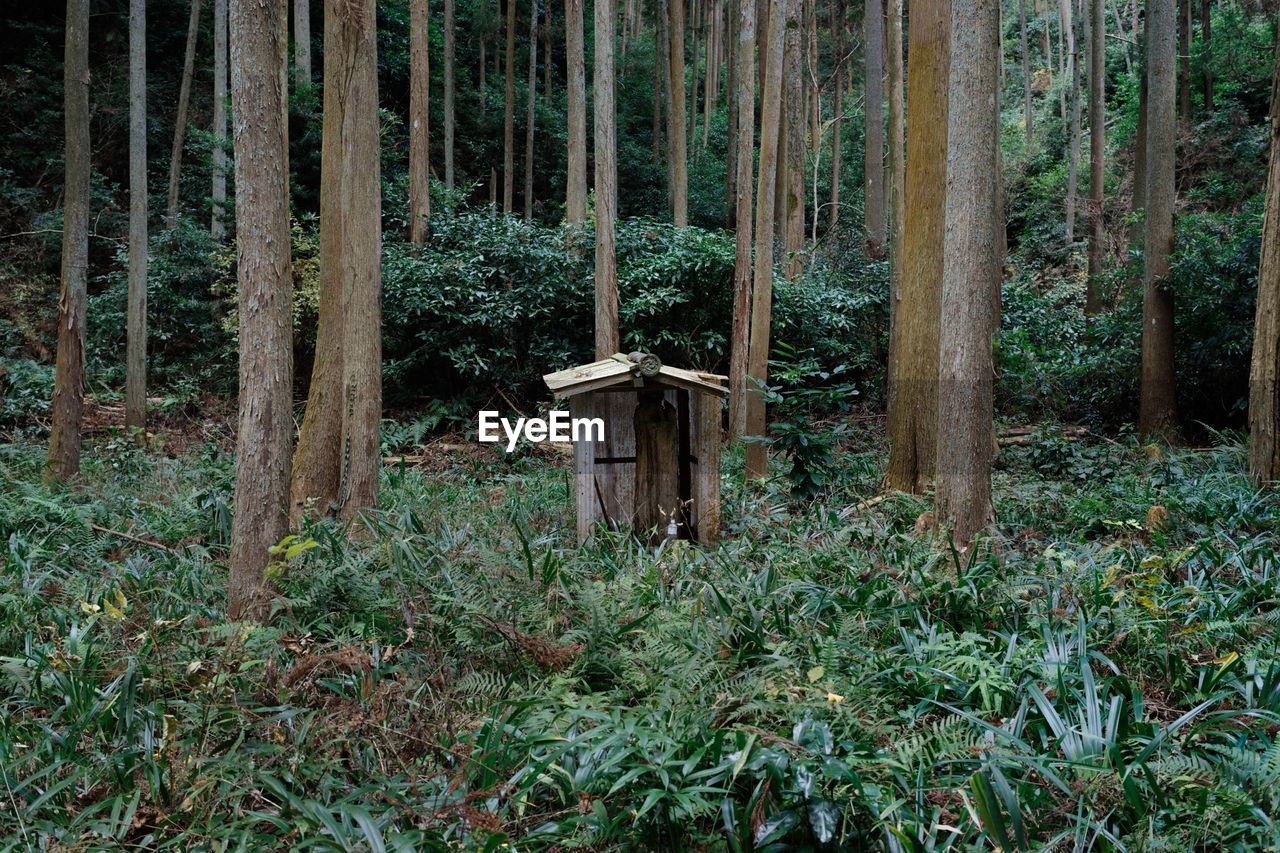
<point x="449" y="84"/>
<point x="1157" y="412"/>
<point x="218" y="227"/>
<point x="260" y="519"/>
<point x="361" y="241"/>
<point x="1026" y="71"/>
<point x="1264" y="374"/>
<point x="1138" y="204"/>
<point x="419" y="121"/>
<point x="317" y="460"/>
<point x="897" y="163"/>
<point x="873" y="163"/>
<point x="756" y="465"/>
<point x="180" y="123"/>
<point x="792" y="184"/>
<point x="1206" y="39"/>
<point x="744" y="77"/>
<point x="837" y="118"/>
<point x="1184" y="64"/>
<point x="606" y="182"/>
<point x="1097" y="154"/>
<point x="970" y="275"/>
<point x="530" y="103"/>
<point x="576" y="180"/>
<point x="509" y="117"/>
<point x="135" y="404"/>
<point x="68" y="385"/>
<point x="302" y="42"/>
<point x="913" y="360"/>
<point x="1073" y="154"/>
<point x="679" y="140"/>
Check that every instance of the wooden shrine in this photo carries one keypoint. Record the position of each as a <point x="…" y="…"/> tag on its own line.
<point x="657" y="471"/>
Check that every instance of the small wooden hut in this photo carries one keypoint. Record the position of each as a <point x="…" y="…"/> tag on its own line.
<point x="658" y="466"/>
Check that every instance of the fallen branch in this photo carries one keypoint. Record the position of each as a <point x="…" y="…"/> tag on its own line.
<point x="861" y="506"/>
<point x="149" y="542"/>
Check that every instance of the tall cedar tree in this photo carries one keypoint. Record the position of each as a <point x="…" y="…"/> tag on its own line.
<point x="1026" y="71"/>
<point x="678" y="140"/>
<point x="744" y="79"/>
<point x="419" y="121"/>
<point x="68" y="383"/>
<point x="449" y="86"/>
<point x="837" y="108"/>
<point x="135" y="398"/>
<point x="218" y="191"/>
<point x="531" y="96"/>
<point x="180" y="122"/>
<point x="916" y="304"/>
<point x="1156" y="408"/>
<point x="1073" y="149"/>
<point x="361" y="199"/>
<point x="970" y="274"/>
<point x="757" y="461"/>
<point x="790" y="200"/>
<point x="873" y="149"/>
<point x="302" y="43"/>
<point x="258" y="41"/>
<point x="576" y="94"/>
<point x="897" y="167"/>
<point x="1097" y="153"/>
<point x="509" y="116"/>
<point x="1264" y="376"/>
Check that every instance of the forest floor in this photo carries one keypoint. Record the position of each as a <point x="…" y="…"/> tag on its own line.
<point x="461" y="673"/>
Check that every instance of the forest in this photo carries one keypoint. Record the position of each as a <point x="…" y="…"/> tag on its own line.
<point x="733" y="425"/>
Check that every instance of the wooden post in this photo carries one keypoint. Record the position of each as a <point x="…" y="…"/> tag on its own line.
<point x="706" y="473"/>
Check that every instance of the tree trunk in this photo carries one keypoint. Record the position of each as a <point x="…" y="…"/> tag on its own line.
<point x="913" y="360"/>
<point x="546" y="53"/>
<point x="509" y="117"/>
<point x="135" y="405"/>
<point x="576" y="180"/>
<point x="449" y="84"/>
<point x="711" y="95"/>
<point x="606" y="182"/>
<point x="180" y="123"/>
<point x="1125" y="37"/>
<point x="1073" y="155"/>
<point x="302" y="42"/>
<point x="678" y="141"/>
<point x="873" y="163"/>
<point x="1184" y="64"/>
<point x="662" y="49"/>
<point x="744" y="78"/>
<point x="258" y="49"/>
<point x="696" y="26"/>
<point x="1062" y="63"/>
<point x="361" y="241"/>
<point x="317" y="460"/>
<point x="1097" y="154"/>
<point x="837" y="118"/>
<point x="731" y="170"/>
<point x="970" y="275"/>
<point x="530" y="103"/>
<point x="1157" y="412"/>
<point x="218" y="227"/>
<point x="1138" y="204"/>
<point x="1206" y="39"/>
<point x="1026" y="70"/>
<point x="1264" y="375"/>
<point x="68" y="385"/>
<point x="791" y="202"/>
<point x="419" y="121"/>
<point x="756" y="464"/>
<point x="897" y="164"/>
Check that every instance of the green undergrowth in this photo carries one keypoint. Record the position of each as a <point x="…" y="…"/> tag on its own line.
<point x="460" y="674"/>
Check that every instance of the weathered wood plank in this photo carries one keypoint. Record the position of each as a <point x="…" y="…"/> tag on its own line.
<point x="586" y="504"/>
<point x="706" y="473"/>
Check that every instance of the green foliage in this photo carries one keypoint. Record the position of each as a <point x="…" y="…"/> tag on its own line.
<point x="464" y="675"/>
